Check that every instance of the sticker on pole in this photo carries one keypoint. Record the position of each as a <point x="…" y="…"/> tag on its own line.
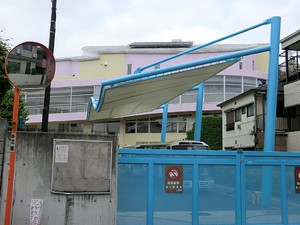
<point x="297" y="180"/>
<point x="13" y="138"/>
<point x="174" y="179"/>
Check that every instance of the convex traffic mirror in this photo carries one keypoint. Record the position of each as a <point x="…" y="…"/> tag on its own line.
<point x="30" y="66"/>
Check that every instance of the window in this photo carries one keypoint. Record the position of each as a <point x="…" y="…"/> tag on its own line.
<point x="97" y="91"/>
<point x="230" y="121"/>
<point x="143" y="125"/>
<point x="175" y="124"/>
<point x="244" y="110"/>
<point x="76" y="128"/>
<point x="80" y="98"/>
<point x="238" y="114"/>
<point x="214" y="89"/>
<point x="63" y="127"/>
<point x="60" y="100"/>
<point x="28" y="68"/>
<point x="129" y="68"/>
<point x="27" y="47"/>
<point x="189" y="97"/>
<point x="250" y="110"/>
<point x="233" y="86"/>
<point x="155" y="125"/>
<point x="13" y="67"/>
<point x="63" y="100"/>
<point x="249" y="82"/>
<point x="130" y="126"/>
<point x="106" y="128"/>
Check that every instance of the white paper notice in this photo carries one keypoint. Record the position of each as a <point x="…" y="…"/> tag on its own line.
<point x="61" y="153"/>
<point x="36" y="208"/>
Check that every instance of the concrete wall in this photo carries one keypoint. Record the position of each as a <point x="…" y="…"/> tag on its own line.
<point x="33" y="172"/>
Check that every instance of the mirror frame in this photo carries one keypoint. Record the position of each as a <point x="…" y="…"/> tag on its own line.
<point x="51" y="74"/>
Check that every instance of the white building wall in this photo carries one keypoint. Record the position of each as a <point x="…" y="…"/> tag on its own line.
<point x="242" y="135"/>
<point x="293" y="141"/>
<point x="292" y="94"/>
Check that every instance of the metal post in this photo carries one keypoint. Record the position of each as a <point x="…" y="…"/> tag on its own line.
<point x="164" y="122"/>
<point x="199" y="106"/>
<point x="45" y="117"/>
<point x="269" y="138"/>
<point x="12" y="156"/>
<point x="272" y="86"/>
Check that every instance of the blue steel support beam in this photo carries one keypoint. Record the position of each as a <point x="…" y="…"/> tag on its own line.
<point x="233" y="55"/>
<point x="150" y="193"/>
<point x="199" y="106"/>
<point x="164" y="122"/>
<point x="272" y="85"/>
<point x="140" y="69"/>
<point x="269" y="138"/>
<point x="195" y="189"/>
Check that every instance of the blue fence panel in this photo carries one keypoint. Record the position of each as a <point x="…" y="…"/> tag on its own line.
<point x="219" y="187"/>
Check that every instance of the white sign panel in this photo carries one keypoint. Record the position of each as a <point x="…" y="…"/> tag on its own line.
<point x="36" y="208"/>
<point x="61" y="153"/>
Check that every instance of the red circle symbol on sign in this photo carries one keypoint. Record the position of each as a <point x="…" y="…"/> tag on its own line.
<point x="173" y="173"/>
<point x="297" y="174"/>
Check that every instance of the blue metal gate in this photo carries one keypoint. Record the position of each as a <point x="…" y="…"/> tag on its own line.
<point x="231" y="188"/>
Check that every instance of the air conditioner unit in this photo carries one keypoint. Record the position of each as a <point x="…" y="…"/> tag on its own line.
<point x="19" y="51"/>
<point x="34" y="55"/>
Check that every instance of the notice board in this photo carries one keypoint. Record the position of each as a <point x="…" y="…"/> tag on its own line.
<point x="81" y="166"/>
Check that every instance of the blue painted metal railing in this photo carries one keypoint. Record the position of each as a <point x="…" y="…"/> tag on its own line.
<point x="228" y="190"/>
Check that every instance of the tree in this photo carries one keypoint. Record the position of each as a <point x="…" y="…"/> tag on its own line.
<point x="211" y="132"/>
<point x="4" y="83"/>
<point x="6" y="90"/>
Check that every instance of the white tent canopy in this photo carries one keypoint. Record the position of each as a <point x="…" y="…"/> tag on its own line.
<point x="145" y="95"/>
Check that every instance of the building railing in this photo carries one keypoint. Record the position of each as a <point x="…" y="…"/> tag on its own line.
<point x="292" y="62"/>
<point x="58" y="109"/>
<point x="281" y="123"/>
<point x="295" y="123"/>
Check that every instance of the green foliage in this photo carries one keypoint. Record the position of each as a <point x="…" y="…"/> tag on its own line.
<point x="4" y="83"/>
<point x="6" y="106"/>
<point x="211" y="132"/>
<point x="6" y="90"/>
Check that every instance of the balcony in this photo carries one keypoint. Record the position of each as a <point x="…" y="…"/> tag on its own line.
<point x="281" y="123"/>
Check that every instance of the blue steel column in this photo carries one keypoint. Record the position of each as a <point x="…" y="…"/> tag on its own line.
<point x="272" y="85"/>
<point x="199" y="106"/>
<point x="164" y="122"/>
<point x="195" y="188"/>
<point x="269" y="138"/>
<point x="150" y="194"/>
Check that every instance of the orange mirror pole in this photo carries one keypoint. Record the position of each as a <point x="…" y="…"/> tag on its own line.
<point x="12" y="156"/>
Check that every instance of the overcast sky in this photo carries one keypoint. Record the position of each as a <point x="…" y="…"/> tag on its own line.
<point x="121" y="22"/>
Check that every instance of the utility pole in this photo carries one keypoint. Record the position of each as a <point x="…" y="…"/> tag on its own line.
<point x="45" y="117"/>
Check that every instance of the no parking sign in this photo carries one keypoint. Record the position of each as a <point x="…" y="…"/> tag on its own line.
<point x="297" y="179"/>
<point x="174" y="179"/>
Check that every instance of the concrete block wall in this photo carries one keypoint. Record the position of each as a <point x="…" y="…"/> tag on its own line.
<point x="33" y="173"/>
